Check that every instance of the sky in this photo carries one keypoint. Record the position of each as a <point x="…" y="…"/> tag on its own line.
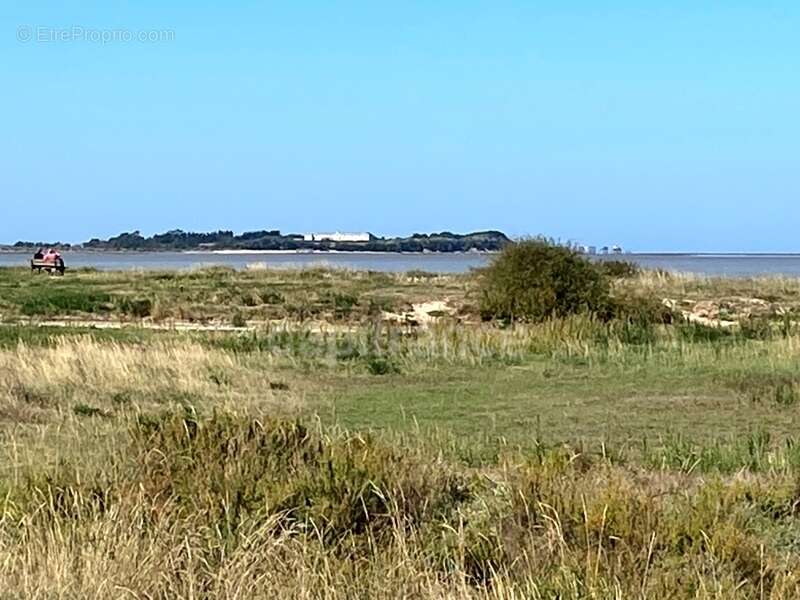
<point x="660" y="126"/>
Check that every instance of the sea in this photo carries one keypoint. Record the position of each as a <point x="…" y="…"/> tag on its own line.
<point x="730" y="265"/>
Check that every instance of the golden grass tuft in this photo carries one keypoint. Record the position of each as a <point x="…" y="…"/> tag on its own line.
<point x="110" y="376"/>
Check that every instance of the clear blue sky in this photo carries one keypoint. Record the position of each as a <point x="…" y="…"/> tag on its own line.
<point x="660" y="126"/>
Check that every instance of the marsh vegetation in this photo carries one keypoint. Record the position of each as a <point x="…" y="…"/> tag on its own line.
<point x="321" y="449"/>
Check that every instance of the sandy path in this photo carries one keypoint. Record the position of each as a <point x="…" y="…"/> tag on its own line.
<point x="313" y="327"/>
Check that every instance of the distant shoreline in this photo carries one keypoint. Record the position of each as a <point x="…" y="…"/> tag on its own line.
<point x="238" y="252"/>
<point x="235" y="252"/>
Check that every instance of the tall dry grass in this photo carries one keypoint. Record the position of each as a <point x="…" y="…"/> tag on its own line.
<point x="110" y="374"/>
<point x="680" y="345"/>
<point x="230" y="507"/>
<point x="158" y="470"/>
<point x="697" y="286"/>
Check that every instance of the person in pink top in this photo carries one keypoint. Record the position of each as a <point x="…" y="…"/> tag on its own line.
<point x="52" y="255"/>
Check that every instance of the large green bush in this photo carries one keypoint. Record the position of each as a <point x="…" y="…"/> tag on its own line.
<point x="534" y="280"/>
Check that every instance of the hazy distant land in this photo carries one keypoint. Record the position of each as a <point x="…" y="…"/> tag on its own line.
<point x="486" y="241"/>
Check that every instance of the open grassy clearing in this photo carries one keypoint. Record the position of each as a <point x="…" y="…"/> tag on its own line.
<point x="220" y="295"/>
<point x="572" y="459"/>
<point x="258" y="295"/>
<point x="578" y="382"/>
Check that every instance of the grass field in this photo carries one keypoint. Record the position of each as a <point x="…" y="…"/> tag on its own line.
<point x="322" y="450"/>
<point x="220" y="294"/>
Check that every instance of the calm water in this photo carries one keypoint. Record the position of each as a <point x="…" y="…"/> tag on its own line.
<point x="721" y="264"/>
<point x="436" y="263"/>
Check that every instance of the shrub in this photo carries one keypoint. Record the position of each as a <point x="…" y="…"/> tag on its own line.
<point x="84" y="410"/>
<point x="378" y="305"/>
<point x="618" y="269"/>
<point x="381" y="365"/>
<point x="644" y="310"/>
<point x="694" y="332"/>
<point x="343" y="304"/>
<point x="65" y="300"/>
<point x="755" y="328"/>
<point x="636" y="320"/>
<point x="230" y="468"/>
<point x="271" y="297"/>
<point x="535" y="279"/>
<point x="249" y="299"/>
<point x="238" y="319"/>
<point x="136" y="307"/>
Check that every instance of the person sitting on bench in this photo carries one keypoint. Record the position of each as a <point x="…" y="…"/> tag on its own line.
<point x="52" y="256"/>
<point x="39" y="255"/>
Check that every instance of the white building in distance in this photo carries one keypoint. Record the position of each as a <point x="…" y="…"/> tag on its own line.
<point x="338" y="237"/>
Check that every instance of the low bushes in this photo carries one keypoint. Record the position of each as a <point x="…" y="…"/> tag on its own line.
<point x="135" y="307"/>
<point x="58" y="301"/>
<point x="535" y="280"/>
<point x="618" y="269"/>
<point x="230" y="468"/>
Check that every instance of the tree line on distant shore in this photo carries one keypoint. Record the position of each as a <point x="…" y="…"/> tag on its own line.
<point x="445" y="241"/>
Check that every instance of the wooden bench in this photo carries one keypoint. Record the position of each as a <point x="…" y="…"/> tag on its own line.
<point x="52" y="267"/>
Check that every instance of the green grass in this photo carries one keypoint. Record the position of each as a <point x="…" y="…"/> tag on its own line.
<point x="520" y="387"/>
<point x="559" y="404"/>
<point x="574" y="458"/>
<point x="64" y="300"/>
<point x="217" y="293"/>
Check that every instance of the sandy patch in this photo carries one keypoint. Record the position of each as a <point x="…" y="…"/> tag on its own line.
<point x="421" y="313"/>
